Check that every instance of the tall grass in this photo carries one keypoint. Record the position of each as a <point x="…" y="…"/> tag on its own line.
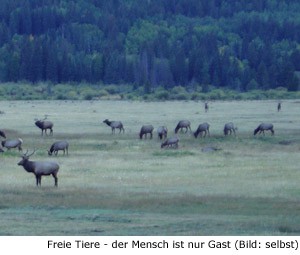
<point x="121" y="185"/>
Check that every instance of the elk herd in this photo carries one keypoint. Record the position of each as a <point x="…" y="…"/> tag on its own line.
<point x="43" y="168"/>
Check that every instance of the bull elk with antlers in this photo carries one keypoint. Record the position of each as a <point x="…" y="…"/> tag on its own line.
<point x="39" y="168"/>
<point x="44" y="125"/>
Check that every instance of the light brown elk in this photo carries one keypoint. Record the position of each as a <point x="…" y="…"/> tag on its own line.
<point x="202" y="128"/>
<point x="186" y="124"/>
<point x="229" y="128"/>
<point x="59" y="146"/>
<point x="162" y="132"/>
<point x="146" y="129"/>
<point x="13" y="143"/>
<point x="170" y="143"/>
<point x="264" y="127"/>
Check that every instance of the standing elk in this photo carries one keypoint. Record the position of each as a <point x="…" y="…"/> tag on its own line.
<point x="206" y="107"/>
<point x="59" y="146"/>
<point x="14" y="143"/>
<point x="39" y="168"/>
<point x="2" y="133"/>
<point x="279" y="107"/>
<point x="186" y="124"/>
<point x="146" y="129"/>
<point x="170" y="142"/>
<point x="202" y="128"/>
<point x="114" y="125"/>
<point x="44" y="125"/>
<point x="162" y="132"/>
<point x="264" y="127"/>
<point x="229" y="128"/>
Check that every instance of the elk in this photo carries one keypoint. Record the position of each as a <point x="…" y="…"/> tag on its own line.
<point x="206" y="106"/>
<point x="39" y="168"/>
<point x="202" y="128"/>
<point x="14" y="143"/>
<point x="170" y="142"/>
<point x="44" y="125"/>
<point x="162" y="132"/>
<point x="114" y="125"/>
<point x="146" y="129"/>
<point x="183" y="124"/>
<point x="264" y="127"/>
<point x="278" y="106"/>
<point x="59" y="146"/>
<point x="229" y="128"/>
<point x="2" y="133"/>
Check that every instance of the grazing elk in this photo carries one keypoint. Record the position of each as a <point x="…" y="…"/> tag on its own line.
<point x="229" y="128"/>
<point x="2" y="133"/>
<point x="264" y="127"/>
<point x="59" y="146"/>
<point x="202" y="128"/>
<point x="146" y="129"/>
<point x="44" y="125"/>
<point x="183" y="124"/>
<point x="114" y="125"/>
<point x="39" y="168"/>
<point x="170" y="142"/>
<point x="162" y="132"/>
<point x="14" y="143"/>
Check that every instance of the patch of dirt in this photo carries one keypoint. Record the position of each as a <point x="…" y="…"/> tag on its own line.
<point x="286" y="142"/>
<point x="210" y="149"/>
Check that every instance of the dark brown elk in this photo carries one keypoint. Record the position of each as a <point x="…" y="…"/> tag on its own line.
<point x="44" y="125"/>
<point x="2" y="134"/>
<point x="202" y="129"/>
<point x="162" y="132"/>
<point x="206" y="107"/>
<point x="186" y="124"/>
<point x="278" y="106"/>
<point x="59" y="146"/>
<point x="170" y="143"/>
<point x="229" y="128"/>
<point x="14" y="143"/>
<point x="264" y="127"/>
<point x="146" y="129"/>
<point x="114" y="125"/>
<point x="39" y="168"/>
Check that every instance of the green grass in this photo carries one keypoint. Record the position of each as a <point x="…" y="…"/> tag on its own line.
<point x="121" y="185"/>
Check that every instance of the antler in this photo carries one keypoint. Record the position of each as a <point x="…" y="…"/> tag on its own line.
<point x="31" y="153"/>
<point x="25" y="154"/>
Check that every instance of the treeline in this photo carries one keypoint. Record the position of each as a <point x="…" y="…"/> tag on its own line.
<point x="236" y="44"/>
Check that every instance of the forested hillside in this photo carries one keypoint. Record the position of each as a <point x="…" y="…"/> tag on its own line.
<point x="236" y="44"/>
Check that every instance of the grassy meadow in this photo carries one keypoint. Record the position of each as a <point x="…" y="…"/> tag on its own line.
<point x="121" y="185"/>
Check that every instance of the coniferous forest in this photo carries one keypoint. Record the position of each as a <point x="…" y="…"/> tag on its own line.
<point x="236" y="44"/>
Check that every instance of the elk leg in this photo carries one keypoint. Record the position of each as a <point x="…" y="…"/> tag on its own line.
<point x="37" y="180"/>
<point x="55" y="179"/>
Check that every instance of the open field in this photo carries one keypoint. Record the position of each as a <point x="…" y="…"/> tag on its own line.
<point x="121" y="185"/>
